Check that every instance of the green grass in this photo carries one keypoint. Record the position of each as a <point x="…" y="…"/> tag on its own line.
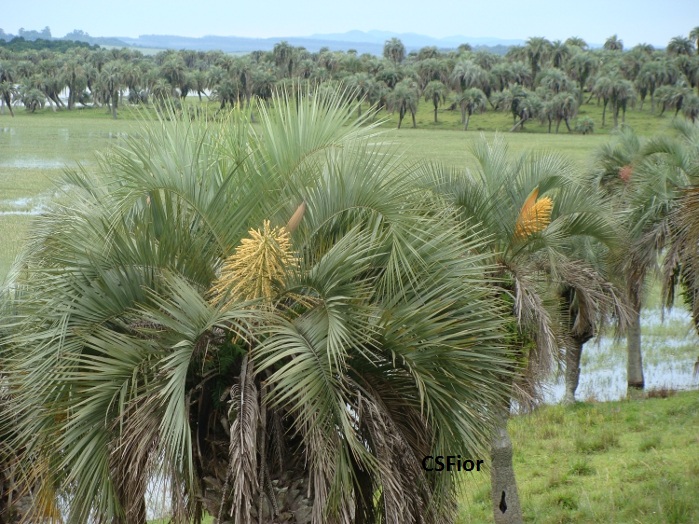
<point x="602" y="462"/>
<point x="643" y="122"/>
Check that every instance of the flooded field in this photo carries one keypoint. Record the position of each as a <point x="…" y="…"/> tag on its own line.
<point x="34" y="152"/>
<point x="670" y="348"/>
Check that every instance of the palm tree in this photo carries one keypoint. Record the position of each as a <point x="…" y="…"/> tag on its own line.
<point x="467" y="74"/>
<point x="554" y="80"/>
<point x="7" y="86"/>
<point x="537" y="50"/>
<point x="502" y="75"/>
<point x="435" y="92"/>
<point x="180" y="328"/>
<point x="576" y="41"/>
<point x="563" y="107"/>
<point x="394" y="50"/>
<point x="522" y="104"/>
<point x="404" y="98"/>
<point x="622" y="94"/>
<point x="603" y="89"/>
<point x="560" y="53"/>
<point x="111" y="78"/>
<point x="675" y="162"/>
<point x="531" y="207"/>
<point x="362" y="85"/>
<point x="613" y="44"/>
<point x="649" y="78"/>
<point x="431" y="69"/>
<point x="690" y="108"/>
<point x="580" y="68"/>
<point x="74" y="78"/>
<point x="673" y="96"/>
<point x="283" y="54"/>
<point x="694" y="35"/>
<point x="680" y="45"/>
<point x="470" y="101"/>
<point x="643" y="181"/>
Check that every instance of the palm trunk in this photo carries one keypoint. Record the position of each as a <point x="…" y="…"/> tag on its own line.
<point x="573" y="353"/>
<point x="506" y="507"/>
<point x="634" y="366"/>
<point x="604" y="111"/>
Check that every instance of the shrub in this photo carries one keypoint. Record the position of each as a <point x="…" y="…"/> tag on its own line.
<point x="585" y="125"/>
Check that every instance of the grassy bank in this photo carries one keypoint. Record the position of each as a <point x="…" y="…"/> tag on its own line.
<point x="620" y="462"/>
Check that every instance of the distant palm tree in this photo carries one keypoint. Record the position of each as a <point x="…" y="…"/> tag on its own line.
<point x="680" y="45"/>
<point x="603" y="89"/>
<point x="394" y="50"/>
<point x="470" y="101"/>
<point x="112" y="78"/>
<point x="581" y="67"/>
<point x="467" y="74"/>
<point x="694" y="35"/>
<point x="7" y="87"/>
<point x="537" y="50"/>
<point x="690" y="108"/>
<point x="622" y="95"/>
<point x="283" y="54"/>
<point x="431" y="69"/>
<point x="559" y="54"/>
<point x="576" y="41"/>
<point x="435" y="92"/>
<point x="404" y="98"/>
<point x="613" y="44"/>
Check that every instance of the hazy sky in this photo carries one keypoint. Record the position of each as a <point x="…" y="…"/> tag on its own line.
<point x="634" y="21"/>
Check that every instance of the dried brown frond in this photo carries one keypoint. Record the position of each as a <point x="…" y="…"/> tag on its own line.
<point x="243" y="476"/>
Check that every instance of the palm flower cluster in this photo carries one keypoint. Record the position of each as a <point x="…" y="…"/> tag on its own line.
<point x="534" y="216"/>
<point x="257" y="266"/>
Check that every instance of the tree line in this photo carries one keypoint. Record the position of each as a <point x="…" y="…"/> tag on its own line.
<point x="542" y="80"/>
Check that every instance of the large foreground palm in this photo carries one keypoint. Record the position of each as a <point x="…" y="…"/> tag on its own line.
<point x="184" y="316"/>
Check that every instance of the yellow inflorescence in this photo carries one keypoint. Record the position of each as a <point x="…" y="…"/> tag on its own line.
<point x="259" y="262"/>
<point x="535" y="215"/>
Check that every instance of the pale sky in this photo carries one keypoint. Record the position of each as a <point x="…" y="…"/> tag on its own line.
<point x="634" y="21"/>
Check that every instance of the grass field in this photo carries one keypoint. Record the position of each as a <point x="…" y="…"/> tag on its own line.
<point x="35" y="149"/>
<point x="596" y="462"/>
<point x="612" y="462"/>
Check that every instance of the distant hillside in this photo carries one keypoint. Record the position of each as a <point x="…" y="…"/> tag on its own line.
<point x="371" y="42"/>
<point x="414" y="40"/>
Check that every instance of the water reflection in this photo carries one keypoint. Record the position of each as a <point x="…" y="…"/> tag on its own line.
<point x="668" y="361"/>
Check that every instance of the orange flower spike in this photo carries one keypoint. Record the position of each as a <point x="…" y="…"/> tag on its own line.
<point x="534" y="216"/>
